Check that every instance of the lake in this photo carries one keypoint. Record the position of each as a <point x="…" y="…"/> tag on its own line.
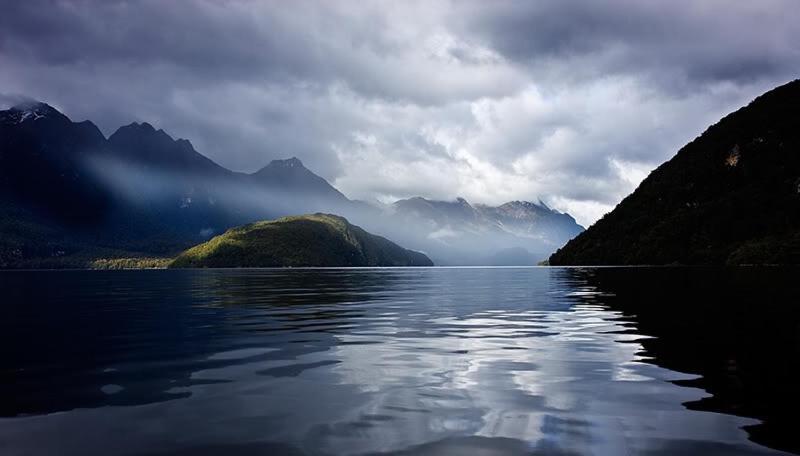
<point x="479" y="361"/>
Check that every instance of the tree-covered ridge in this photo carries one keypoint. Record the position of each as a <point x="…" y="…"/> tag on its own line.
<point x="307" y="240"/>
<point x="731" y="196"/>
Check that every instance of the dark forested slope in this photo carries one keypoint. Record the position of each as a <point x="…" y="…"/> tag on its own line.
<point x="731" y="196"/>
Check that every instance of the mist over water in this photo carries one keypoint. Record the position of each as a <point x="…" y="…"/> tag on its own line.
<point x="360" y="361"/>
<point x="205" y="203"/>
<point x="234" y="194"/>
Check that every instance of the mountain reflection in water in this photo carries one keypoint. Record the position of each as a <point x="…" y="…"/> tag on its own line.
<point x="404" y="361"/>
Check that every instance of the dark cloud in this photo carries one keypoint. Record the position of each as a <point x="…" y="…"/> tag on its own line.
<point x="573" y="102"/>
<point x="709" y="40"/>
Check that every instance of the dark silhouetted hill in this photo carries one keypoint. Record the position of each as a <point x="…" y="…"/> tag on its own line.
<point x="731" y="196"/>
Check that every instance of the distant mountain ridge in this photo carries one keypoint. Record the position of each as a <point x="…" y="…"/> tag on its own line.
<point x="535" y="220"/>
<point x="730" y="196"/>
<point x="67" y="190"/>
<point x="518" y="217"/>
<point x="457" y="232"/>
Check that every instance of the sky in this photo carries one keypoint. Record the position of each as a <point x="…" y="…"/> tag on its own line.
<point x="570" y="102"/>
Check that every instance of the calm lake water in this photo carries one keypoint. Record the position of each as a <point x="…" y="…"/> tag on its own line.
<point x="462" y="361"/>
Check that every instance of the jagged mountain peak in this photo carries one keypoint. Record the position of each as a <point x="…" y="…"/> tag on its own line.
<point x="34" y="106"/>
<point x="521" y="208"/>
<point x="290" y="162"/>
<point x="519" y="203"/>
<point x="144" y="131"/>
<point x="141" y="142"/>
<point x="538" y="204"/>
<point x="39" y="116"/>
<point x="291" y="175"/>
<point x="141" y="129"/>
<point x="143" y="125"/>
<point x="30" y="111"/>
<point x="533" y="217"/>
<point x="283" y="164"/>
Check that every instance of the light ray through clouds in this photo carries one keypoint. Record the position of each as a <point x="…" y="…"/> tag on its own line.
<point x="570" y="102"/>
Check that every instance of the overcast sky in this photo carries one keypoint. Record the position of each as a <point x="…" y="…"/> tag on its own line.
<point x="573" y="102"/>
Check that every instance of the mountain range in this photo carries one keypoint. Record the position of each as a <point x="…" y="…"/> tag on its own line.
<point x="456" y="232"/>
<point x="69" y="194"/>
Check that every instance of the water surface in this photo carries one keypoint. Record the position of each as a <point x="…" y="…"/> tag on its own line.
<point x="402" y="361"/>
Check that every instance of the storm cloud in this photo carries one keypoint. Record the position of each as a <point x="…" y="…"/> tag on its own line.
<point x="571" y="102"/>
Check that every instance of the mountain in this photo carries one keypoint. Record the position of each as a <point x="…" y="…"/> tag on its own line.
<point x="457" y="232"/>
<point x="534" y="220"/>
<point x="167" y="182"/>
<point x="290" y="176"/>
<point x="49" y="198"/>
<point x="292" y="188"/>
<point x="66" y="190"/>
<point x="42" y="156"/>
<point x="68" y="194"/>
<point x="206" y="196"/>
<point x="731" y="196"/>
<point x="140" y="143"/>
<point x="308" y="240"/>
<point x="442" y="213"/>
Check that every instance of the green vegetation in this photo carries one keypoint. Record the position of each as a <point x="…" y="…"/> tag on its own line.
<point x="131" y="263"/>
<point x="31" y="242"/>
<point x="27" y="241"/>
<point x="731" y="196"/>
<point x="91" y="259"/>
<point x="307" y="240"/>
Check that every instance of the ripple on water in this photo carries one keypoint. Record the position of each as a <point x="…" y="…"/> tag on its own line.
<point x="433" y="361"/>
